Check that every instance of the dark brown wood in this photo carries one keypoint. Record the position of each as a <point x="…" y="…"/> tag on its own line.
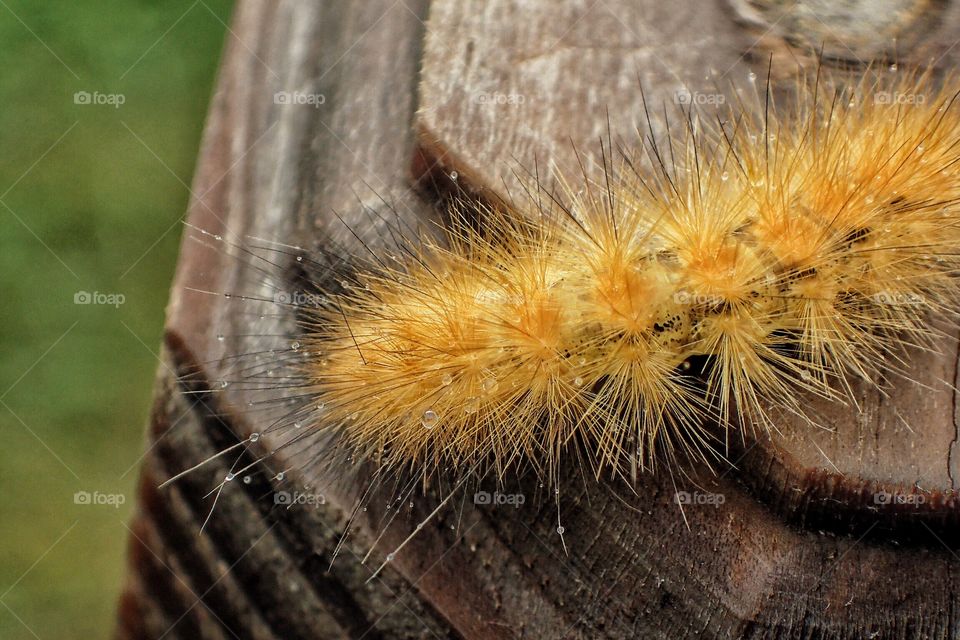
<point x="790" y="545"/>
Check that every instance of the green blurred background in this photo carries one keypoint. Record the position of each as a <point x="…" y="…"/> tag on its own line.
<point x="91" y="199"/>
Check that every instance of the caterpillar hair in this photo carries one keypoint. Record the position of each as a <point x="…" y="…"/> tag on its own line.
<point x="644" y="313"/>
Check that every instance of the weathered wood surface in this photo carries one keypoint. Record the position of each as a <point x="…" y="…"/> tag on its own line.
<point x="853" y="31"/>
<point x="757" y="565"/>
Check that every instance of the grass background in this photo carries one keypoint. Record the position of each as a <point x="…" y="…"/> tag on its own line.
<point x="90" y="200"/>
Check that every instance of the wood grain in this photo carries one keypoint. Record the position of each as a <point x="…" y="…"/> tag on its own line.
<point x="753" y="561"/>
<point x="506" y="83"/>
<point x="852" y="32"/>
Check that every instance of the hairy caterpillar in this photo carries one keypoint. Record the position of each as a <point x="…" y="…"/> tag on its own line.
<point x="738" y="264"/>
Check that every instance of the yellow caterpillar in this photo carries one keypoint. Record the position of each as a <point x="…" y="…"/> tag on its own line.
<point x="744" y="261"/>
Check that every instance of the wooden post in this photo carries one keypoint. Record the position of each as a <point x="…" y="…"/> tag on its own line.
<point x="798" y="547"/>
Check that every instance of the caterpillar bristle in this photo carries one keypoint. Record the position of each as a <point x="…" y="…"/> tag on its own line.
<point x="687" y="292"/>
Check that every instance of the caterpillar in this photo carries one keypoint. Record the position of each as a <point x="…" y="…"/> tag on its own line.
<point x="751" y="258"/>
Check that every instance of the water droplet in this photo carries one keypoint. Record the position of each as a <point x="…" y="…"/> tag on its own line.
<point x="724" y="176"/>
<point x="297" y="425"/>
<point x="454" y="175"/>
<point x="429" y="419"/>
<point x="578" y="381"/>
<point x="560" y="529"/>
<point x="220" y="337"/>
<point x="446" y="379"/>
<point x="489" y="385"/>
<point x="223" y="384"/>
<point x="254" y="437"/>
<point x="893" y="67"/>
<point x="752" y="77"/>
<point x="471" y="406"/>
<point x="299" y="258"/>
<point x="390" y="557"/>
<point x="230" y="477"/>
<point x="281" y="476"/>
<point x="247" y="479"/>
